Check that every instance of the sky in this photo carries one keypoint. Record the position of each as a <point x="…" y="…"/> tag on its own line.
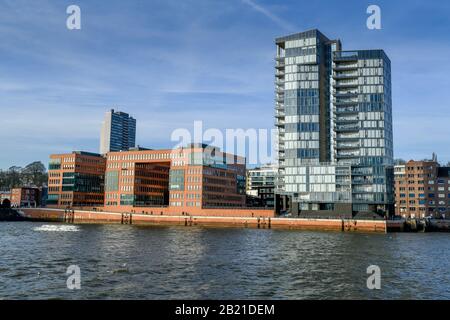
<point x="169" y="63"/>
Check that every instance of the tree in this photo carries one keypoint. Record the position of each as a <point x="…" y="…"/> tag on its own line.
<point x="34" y="174"/>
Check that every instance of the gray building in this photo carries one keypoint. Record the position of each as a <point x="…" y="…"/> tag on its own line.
<point x="118" y="132"/>
<point x="333" y="114"/>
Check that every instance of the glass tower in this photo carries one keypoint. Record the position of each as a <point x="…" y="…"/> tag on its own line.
<point x="118" y="132"/>
<point x="334" y="123"/>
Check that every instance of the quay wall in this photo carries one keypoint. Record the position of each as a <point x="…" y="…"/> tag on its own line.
<point x="93" y="217"/>
<point x="182" y="211"/>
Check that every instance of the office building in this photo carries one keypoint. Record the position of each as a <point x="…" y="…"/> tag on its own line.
<point x="118" y="132"/>
<point x="180" y="181"/>
<point x="186" y="179"/>
<point x="333" y="114"/>
<point x="76" y="180"/>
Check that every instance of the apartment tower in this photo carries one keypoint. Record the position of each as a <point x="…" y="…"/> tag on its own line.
<point x="334" y="123"/>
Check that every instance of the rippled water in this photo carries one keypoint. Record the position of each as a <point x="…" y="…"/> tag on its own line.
<point x="130" y="262"/>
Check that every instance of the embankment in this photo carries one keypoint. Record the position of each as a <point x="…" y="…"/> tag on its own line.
<point x="79" y="216"/>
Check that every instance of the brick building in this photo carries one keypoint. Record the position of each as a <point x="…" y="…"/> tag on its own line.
<point x="186" y="179"/>
<point x="422" y="188"/>
<point x="183" y="180"/>
<point x="76" y="179"/>
<point x="25" y="197"/>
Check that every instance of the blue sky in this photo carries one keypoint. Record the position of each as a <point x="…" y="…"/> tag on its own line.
<point x="170" y="62"/>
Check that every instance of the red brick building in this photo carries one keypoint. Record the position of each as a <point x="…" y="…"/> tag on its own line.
<point x="186" y="179"/>
<point x="25" y="197"/>
<point x="182" y="181"/>
<point x="422" y="188"/>
<point x="76" y="179"/>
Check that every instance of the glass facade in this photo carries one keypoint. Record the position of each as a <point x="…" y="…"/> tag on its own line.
<point x="334" y="120"/>
<point x="118" y="132"/>
<point x="363" y="108"/>
<point x="176" y="180"/>
<point x="82" y="182"/>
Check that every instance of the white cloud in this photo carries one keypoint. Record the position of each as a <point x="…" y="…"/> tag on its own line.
<point x="279" y="21"/>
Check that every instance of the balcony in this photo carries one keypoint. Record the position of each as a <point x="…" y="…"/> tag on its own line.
<point x="346" y="138"/>
<point x="280" y="114"/>
<point x="279" y="64"/>
<point x="345" y="67"/>
<point x="347" y="119"/>
<point x="347" y="127"/>
<point x="341" y="102"/>
<point x="345" y="56"/>
<point x="348" y="145"/>
<point x="346" y="75"/>
<point x="345" y="94"/>
<point x="346" y="110"/>
<point x="342" y="84"/>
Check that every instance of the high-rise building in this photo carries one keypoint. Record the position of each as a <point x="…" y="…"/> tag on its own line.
<point x="118" y="132"/>
<point x="333" y="114"/>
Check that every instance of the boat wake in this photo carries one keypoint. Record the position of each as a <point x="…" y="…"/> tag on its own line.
<point x="57" y="228"/>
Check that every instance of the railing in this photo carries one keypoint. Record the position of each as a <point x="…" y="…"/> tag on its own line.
<point x="348" y="145"/>
<point x="342" y="84"/>
<point x="347" y="127"/>
<point x="348" y="154"/>
<point x="344" y="93"/>
<point x="345" y="55"/>
<point x="345" y="75"/>
<point x="345" y="66"/>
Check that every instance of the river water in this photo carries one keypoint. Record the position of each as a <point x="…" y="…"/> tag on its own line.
<point x="130" y="262"/>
